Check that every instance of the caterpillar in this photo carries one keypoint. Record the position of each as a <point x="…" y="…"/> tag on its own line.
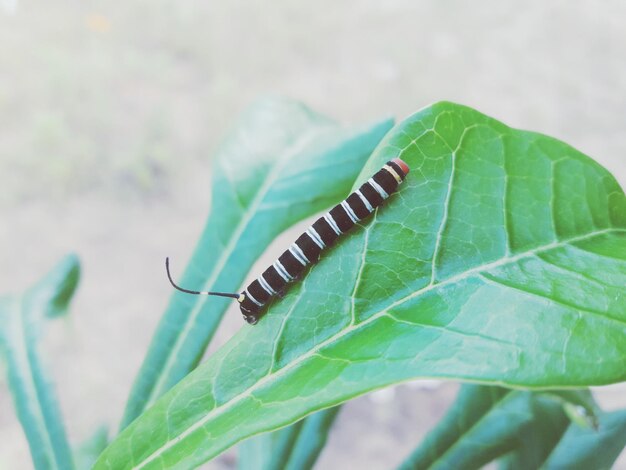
<point x="307" y="248"/>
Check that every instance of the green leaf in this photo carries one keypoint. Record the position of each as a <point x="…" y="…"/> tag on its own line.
<point x="582" y="448"/>
<point x="468" y="412"/>
<point x="89" y="450"/>
<point x="22" y="319"/>
<point x="256" y="453"/>
<point x="295" y="447"/>
<point x="545" y="428"/>
<point x="269" y="451"/>
<point x="579" y="406"/>
<point x="486" y="422"/>
<point x="281" y="164"/>
<point x="501" y="260"/>
<point x="311" y="439"/>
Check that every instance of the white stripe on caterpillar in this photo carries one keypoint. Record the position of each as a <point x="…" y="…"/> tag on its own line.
<point x="253" y="299"/>
<point x="299" y="254"/>
<point x="349" y="211"/>
<point x="332" y="223"/>
<point x="313" y="235"/>
<point x="282" y="271"/>
<point x="378" y="188"/>
<point x="266" y="285"/>
<point x="368" y="206"/>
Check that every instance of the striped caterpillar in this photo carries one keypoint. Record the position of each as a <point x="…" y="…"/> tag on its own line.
<point x="308" y="247"/>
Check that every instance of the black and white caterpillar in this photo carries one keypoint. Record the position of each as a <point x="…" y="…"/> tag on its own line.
<point x="307" y="248"/>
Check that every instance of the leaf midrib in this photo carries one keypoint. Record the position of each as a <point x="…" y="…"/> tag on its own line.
<point x="298" y="360"/>
<point x="247" y="216"/>
<point x="495" y="281"/>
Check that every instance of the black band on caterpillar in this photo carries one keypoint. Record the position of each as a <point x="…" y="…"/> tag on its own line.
<point x="307" y="248"/>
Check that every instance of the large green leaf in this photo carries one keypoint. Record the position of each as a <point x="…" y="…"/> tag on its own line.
<point x="281" y="164"/>
<point x="22" y="319"/>
<point x="502" y="260"/>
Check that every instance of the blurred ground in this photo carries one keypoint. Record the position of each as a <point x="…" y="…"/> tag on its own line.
<point x="109" y="112"/>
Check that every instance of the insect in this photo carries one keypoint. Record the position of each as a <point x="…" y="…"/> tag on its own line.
<point x="308" y="247"/>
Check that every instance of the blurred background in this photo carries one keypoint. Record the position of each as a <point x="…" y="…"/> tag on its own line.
<point x="110" y="111"/>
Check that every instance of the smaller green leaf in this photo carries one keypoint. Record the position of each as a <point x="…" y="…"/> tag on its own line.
<point x="52" y="294"/>
<point x="584" y="411"/>
<point x="471" y="404"/>
<point x="312" y="439"/>
<point x="487" y="422"/>
<point x="283" y="441"/>
<point x="536" y="440"/>
<point x="21" y="323"/>
<point x="269" y="451"/>
<point x="255" y="453"/>
<point x="294" y="447"/>
<point x="87" y="453"/>
<point x="582" y="448"/>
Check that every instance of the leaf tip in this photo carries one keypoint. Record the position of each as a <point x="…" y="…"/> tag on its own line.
<point x="58" y="286"/>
